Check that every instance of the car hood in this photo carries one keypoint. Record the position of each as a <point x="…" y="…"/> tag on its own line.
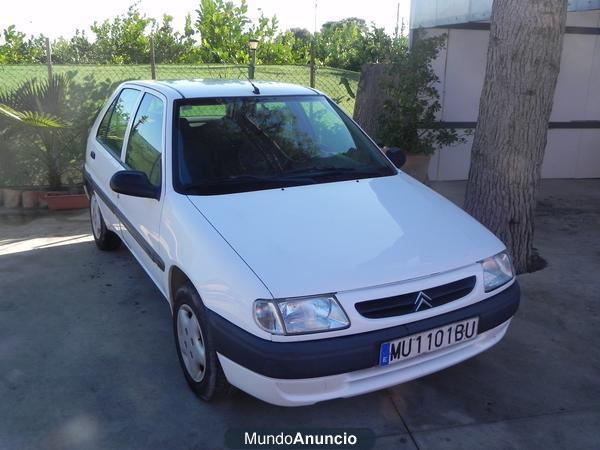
<point x="346" y="235"/>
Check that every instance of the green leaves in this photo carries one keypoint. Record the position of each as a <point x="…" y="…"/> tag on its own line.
<point x="409" y="118"/>
<point x="123" y="39"/>
<point x="18" y="48"/>
<point x="45" y="125"/>
<point x="219" y="33"/>
<point x="224" y="33"/>
<point x="32" y="118"/>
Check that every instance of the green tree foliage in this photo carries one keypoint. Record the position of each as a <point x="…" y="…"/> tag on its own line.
<point x="219" y="33"/>
<point x="223" y="31"/>
<point x="17" y="48"/>
<point x="272" y="48"/>
<point x="350" y="43"/>
<point x="300" y="43"/>
<point x="123" y="39"/>
<point x="340" y="43"/>
<point x="77" y="50"/>
<point x="170" y="46"/>
<point x="409" y="116"/>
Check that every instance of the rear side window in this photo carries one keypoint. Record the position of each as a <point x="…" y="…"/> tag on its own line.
<point x="145" y="144"/>
<point x="111" y="131"/>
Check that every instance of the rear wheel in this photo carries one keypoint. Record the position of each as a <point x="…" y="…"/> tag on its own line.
<point x="105" y="239"/>
<point x="195" y="346"/>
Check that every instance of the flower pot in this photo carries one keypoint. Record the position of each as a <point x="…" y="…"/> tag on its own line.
<point x="42" y="203"/>
<point x="417" y="166"/>
<point x="62" y="200"/>
<point x="12" y="198"/>
<point x="29" y="199"/>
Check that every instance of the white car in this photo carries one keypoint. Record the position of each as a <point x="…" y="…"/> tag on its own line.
<point x="299" y="263"/>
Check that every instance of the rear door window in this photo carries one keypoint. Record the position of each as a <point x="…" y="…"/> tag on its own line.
<point x="111" y="131"/>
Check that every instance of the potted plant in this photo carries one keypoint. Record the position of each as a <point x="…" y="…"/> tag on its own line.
<point x="11" y="197"/>
<point x="29" y="199"/>
<point x="39" y="108"/>
<point x="409" y="113"/>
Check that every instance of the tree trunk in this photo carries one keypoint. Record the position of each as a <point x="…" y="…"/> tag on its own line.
<point x="52" y="163"/>
<point x="54" y="179"/>
<point x="370" y="97"/>
<point x="523" y="62"/>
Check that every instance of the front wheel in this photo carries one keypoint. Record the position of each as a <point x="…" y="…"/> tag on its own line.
<point x="195" y="346"/>
<point x="105" y="239"/>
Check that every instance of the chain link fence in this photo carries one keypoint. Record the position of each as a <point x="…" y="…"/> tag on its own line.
<point x="340" y="85"/>
<point x="25" y="156"/>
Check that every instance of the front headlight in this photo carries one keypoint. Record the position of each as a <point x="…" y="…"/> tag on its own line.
<point x="497" y="270"/>
<point x="300" y="315"/>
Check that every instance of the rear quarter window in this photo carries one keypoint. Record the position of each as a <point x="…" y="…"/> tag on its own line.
<point x="111" y="132"/>
<point x="145" y="144"/>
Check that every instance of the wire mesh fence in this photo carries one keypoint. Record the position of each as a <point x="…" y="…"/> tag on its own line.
<point x="27" y="157"/>
<point x="340" y="85"/>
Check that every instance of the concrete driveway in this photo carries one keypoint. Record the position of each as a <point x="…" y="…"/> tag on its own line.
<point x="87" y="358"/>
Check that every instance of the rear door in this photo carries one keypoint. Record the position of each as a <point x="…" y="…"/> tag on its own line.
<point x="144" y="151"/>
<point x="105" y="150"/>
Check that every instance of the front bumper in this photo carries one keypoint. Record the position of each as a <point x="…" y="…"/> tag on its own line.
<point x="349" y="353"/>
<point x="308" y="391"/>
<point x="306" y="372"/>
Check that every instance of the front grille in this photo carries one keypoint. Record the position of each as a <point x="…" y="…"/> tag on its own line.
<point x="406" y="303"/>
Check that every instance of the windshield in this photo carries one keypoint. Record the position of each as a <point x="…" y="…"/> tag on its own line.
<point x="242" y="144"/>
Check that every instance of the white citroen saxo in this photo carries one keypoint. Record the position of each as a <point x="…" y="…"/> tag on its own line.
<point x="300" y="264"/>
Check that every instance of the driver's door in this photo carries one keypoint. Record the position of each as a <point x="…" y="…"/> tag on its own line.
<point x="144" y="151"/>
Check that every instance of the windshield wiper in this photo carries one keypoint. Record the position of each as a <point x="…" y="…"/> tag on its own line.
<point x="299" y="177"/>
<point x="318" y="172"/>
<point x="252" y="180"/>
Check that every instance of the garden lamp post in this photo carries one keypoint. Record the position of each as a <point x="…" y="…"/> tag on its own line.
<point x="252" y="45"/>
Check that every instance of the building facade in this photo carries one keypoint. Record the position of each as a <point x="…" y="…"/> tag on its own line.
<point x="573" y="149"/>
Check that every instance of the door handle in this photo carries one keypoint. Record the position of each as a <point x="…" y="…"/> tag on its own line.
<point x="93" y="154"/>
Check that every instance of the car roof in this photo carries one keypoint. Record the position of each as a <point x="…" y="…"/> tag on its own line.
<point x="202" y="88"/>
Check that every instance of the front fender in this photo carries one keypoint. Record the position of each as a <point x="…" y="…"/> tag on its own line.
<point x="226" y="284"/>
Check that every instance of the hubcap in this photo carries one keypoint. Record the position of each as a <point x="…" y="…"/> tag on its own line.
<point x="96" y="217"/>
<point x="191" y="343"/>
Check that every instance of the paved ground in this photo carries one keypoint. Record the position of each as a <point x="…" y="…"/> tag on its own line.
<point x="87" y="358"/>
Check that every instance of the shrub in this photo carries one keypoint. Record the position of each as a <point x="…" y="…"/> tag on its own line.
<point x="409" y="117"/>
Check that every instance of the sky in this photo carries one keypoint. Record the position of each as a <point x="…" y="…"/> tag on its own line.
<point x="61" y="17"/>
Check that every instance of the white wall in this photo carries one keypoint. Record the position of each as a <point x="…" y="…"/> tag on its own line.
<point x="570" y="153"/>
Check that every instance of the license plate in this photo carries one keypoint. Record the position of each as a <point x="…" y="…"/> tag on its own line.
<point x="428" y="341"/>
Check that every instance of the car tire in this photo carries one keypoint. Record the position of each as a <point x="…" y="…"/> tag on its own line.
<point x="195" y="346"/>
<point x="105" y="239"/>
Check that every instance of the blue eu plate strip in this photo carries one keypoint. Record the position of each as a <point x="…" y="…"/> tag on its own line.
<point x="384" y="354"/>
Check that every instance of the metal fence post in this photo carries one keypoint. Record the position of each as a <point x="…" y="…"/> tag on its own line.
<point x="312" y="64"/>
<point x="49" y="58"/>
<point x="252" y="66"/>
<point x="152" y="60"/>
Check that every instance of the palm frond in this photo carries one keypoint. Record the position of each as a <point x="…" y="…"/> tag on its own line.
<point x="32" y="118"/>
<point x="45" y="96"/>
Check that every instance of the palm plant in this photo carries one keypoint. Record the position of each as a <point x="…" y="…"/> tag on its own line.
<point x="38" y="108"/>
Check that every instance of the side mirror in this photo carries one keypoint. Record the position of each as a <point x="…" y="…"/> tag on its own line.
<point x="134" y="183"/>
<point x="397" y="156"/>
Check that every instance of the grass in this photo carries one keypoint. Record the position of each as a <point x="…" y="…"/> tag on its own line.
<point x="340" y="85"/>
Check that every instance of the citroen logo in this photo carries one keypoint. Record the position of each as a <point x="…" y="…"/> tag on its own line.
<point x="422" y="300"/>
